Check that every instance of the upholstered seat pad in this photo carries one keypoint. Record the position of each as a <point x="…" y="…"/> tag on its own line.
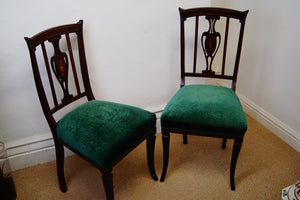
<point x="104" y="132"/>
<point x="209" y="108"/>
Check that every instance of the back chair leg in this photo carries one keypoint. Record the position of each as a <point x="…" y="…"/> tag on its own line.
<point x="150" y="155"/>
<point x="107" y="179"/>
<point x="59" y="149"/>
<point x="184" y="138"/>
<point x="235" y="153"/>
<point x="224" y="143"/>
<point x="166" y="146"/>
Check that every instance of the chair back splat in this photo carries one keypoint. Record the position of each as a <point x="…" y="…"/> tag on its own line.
<point x="101" y="132"/>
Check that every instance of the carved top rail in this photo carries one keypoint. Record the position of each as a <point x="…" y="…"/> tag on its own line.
<point x="240" y="15"/>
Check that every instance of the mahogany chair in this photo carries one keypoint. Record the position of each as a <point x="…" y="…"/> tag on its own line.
<point x="101" y="132"/>
<point x="203" y="109"/>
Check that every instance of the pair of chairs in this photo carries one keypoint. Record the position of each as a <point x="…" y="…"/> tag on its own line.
<point x="104" y="132"/>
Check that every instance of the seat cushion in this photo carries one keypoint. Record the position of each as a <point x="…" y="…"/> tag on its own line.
<point x="206" y="108"/>
<point x="104" y="132"/>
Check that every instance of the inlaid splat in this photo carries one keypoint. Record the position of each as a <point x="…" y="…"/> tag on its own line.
<point x="210" y="43"/>
<point x="60" y="67"/>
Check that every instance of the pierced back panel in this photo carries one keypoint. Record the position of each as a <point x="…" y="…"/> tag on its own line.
<point x="214" y="24"/>
<point x="59" y="67"/>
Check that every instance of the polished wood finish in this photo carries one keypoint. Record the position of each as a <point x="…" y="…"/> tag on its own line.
<point x="67" y="59"/>
<point x="210" y="43"/>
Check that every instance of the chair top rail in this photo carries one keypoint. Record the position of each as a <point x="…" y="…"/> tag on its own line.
<point x="241" y="15"/>
<point x="53" y="32"/>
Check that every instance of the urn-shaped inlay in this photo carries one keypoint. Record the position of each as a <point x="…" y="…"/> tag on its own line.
<point x="210" y="43"/>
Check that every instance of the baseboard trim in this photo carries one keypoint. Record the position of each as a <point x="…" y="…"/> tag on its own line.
<point x="283" y="131"/>
<point x="31" y="151"/>
<point x="277" y="127"/>
<point x="39" y="149"/>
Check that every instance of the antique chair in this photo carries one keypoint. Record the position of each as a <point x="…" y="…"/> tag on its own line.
<point x="204" y="109"/>
<point x="101" y="132"/>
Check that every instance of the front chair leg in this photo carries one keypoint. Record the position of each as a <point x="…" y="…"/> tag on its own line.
<point x="107" y="179"/>
<point x="235" y="153"/>
<point x="150" y="155"/>
<point x="166" y="146"/>
<point x="59" y="150"/>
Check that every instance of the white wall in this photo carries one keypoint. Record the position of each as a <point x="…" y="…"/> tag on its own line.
<point x="269" y="68"/>
<point x="138" y="42"/>
<point x="132" y="51"/>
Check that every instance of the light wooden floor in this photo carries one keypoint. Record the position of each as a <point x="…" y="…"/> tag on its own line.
<point x="199" y="170"/>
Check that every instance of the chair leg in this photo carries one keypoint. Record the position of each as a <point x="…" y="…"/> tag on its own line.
<point x="224" y="143"/>
<point x="107" y="179"/>
<point x="235" y="153"/>
<point x="166" y="146"/>
<point x="184" y="138"/>
<point x="59" y="149"/>
<point x="150" y="155"/>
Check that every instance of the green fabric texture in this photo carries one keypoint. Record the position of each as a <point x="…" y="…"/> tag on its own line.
<point x="103" y="131"/>
<point x="205" y="108"/>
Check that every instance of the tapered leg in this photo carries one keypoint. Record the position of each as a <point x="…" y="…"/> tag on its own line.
<point x="59" y="149"/>
<point x="224" y="143"/>
<point x="107" y="179"/>
<point x="166" y="145"/>
<point x="235" y="153"/>
<point x="184" y="138"/>
<point x="150" y="155"/>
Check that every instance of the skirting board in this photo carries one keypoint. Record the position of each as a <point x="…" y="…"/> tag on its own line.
<point x="31" y="151"/>
<point x="36" y="150"/>
<point x="40" y="149"/>
<point x="277" y="127"/>
<point x="290" y="136"/>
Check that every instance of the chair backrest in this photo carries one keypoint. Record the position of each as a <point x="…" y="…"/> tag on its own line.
<point x="52" y="53"/>
<point x="211" y="41"/>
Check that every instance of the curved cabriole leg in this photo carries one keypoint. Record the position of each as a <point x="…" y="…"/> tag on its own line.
<point x="184" y="138"/>
<point x="166" y="145"/>
<point x="235" y="153"/>
<point x="150" y="155"/>
<point x="59" y="149"/>
<point x="107" y="179"/>
<point x="224" y="143"/>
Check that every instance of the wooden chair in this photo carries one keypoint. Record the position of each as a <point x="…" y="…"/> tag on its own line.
<point x="101" y="132"/>
<point x="203" y="109"/>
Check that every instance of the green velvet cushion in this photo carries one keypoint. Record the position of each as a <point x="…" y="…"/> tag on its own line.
<point x="104" y="132"/>
<point x="205" y="108"/>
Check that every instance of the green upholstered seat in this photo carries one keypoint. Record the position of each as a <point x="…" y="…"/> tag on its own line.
<point x="103" y="132"/>
<point x="208" y="107"/>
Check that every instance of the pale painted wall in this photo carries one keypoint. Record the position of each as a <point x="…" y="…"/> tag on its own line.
<point x="135" y="40"/>
<point x="270" y="64"/>
<point x="139" y="42"/>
